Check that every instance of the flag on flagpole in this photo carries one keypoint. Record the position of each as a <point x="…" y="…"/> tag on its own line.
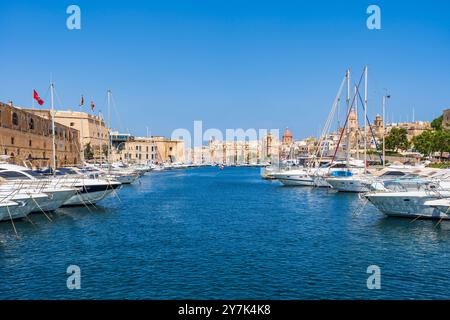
<point x="37" y="98"/>
<point x="92" y="106"/>
<point x="81" y="101"/>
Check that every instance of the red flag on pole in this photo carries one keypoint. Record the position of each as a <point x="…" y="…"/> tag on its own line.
<point x="37" y="98"/>
<point x="92" y="106"/>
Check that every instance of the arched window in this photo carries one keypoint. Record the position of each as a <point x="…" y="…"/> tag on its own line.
<point x="15" y="119"/>
<point x="31" y="124"/>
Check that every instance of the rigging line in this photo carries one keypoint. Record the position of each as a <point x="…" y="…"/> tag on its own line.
<point x="46" y="93"/>
<point x="113" y="100"/>
<point x="57" y="97"/>
<point x="371" y="130"/>
<point x="319" y="152"/>
<point x="348" y="115"/>
<point x="12" y="222"/>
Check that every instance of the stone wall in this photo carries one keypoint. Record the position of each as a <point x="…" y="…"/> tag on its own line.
<point x="25" y="136"/>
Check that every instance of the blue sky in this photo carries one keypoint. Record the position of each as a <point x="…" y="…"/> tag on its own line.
<point x="231" y="64"/>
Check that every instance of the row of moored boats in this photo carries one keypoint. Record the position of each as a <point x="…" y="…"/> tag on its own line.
<point x="24" y="191"/>
<point x="396" y="190"/>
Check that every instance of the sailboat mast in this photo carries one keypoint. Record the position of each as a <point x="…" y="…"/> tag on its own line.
<point x="384" y="130"/>
<point x="348" y="112"/>
<point x="52" y="114"/>
<point x="109" y="126"/>
<point x="357" y="124"/>
<point x="365" y="118"/>
<point x="81" y="135"/>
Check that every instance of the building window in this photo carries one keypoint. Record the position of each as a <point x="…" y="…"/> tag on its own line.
<point x="12" y="140"/>
<point x="29" y="143"/>
<point x="72" y="124"/>
<point x="146" y="148"/>
<point x="171" y="148"/>
<point x="146" y="156"/>
<point x="15" y="119"/>
<point x="31" y="124"/>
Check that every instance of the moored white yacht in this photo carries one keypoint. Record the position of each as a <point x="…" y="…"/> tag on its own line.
<point x="413" y="202"/>
<point x="26" y="203"/>
<point x="67" y="187"/>
<point x="91" y="188"/>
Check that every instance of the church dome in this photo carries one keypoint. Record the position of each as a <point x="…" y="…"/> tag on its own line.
<point x="287" y="133"/>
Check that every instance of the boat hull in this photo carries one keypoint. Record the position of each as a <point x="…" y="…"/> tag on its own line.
<point x="347" y="185"/>
<point x="90" y="195"/>
<point x="406" y="204"/>
<point x="56" y="200"/>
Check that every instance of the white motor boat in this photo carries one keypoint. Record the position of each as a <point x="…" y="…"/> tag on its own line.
<point x="67" y="187"/>
<point x="122" y="174"/>
<point x="26" y="203"/>
<point x="346" y="181"/>
<point x="349" y="183"/>
<point x="294" y="177"/>
<point x="91" y="188"/>
<point x="412" y="204"/>
<point x="316" y="177"/>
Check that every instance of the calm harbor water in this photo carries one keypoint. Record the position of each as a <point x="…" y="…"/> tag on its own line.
<point x="211" y="234"/>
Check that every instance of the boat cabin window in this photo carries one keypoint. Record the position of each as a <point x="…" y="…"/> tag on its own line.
<point x="13" y="175"/>
<point x="63" y="171"/>
<point x="339" y="165"/>
<point x="393" y="174"/>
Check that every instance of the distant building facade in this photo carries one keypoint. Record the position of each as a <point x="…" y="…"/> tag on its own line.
<point x="27" y="137"/>
<point x="92" y="128"/>
<point x="446" y="119"/>
<point x="128" y="148"/>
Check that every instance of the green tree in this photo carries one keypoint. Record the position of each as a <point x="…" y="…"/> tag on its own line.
<point x="436" y="124"/>
<point x="429" y="142"/>
<point x="423" y="143"/>
<point x="397" y="139"/>
<point x="441" y="141"/>
<point x="88" y="153"/>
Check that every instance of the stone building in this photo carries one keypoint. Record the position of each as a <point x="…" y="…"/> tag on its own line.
<point x="26" y="136"/>
<point x="231" y="152"/>
<point x="413" y="128"/>
<point x="446" y="119"/>
<point x="91" y="127"/>
<point x="169" y="150"/>
<point x="287" y="137"/>
<point x="128" y="148"/>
